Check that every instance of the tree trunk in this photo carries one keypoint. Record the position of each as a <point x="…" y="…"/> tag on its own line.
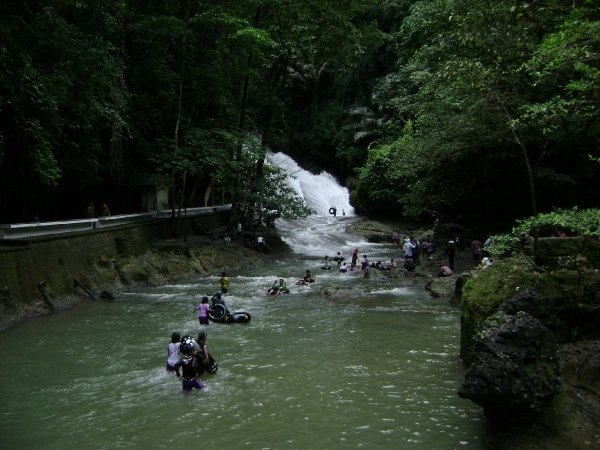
<point x="174" y="219"/>
<point x="235" y="187"/>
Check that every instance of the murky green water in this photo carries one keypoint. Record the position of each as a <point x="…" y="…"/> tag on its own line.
<point x="378" y="369"/>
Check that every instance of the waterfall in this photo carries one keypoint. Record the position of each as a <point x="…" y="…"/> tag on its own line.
<point x="320" y="192"/>
<point x="320" y="234"/>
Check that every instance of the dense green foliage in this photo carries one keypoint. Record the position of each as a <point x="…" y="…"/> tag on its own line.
<point x="499" y="101"/>
<point x="484" y="109"/>
<point x="575" y="222"/>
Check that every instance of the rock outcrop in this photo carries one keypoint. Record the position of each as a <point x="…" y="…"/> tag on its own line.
<point x="515" y="370"/>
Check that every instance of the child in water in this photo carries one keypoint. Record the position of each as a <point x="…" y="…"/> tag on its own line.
<point x="173" y="354"/>
<point x="206" y="361"/>
<point x="203" y="310"/>
<point x="190" y="377"/>
<point x="224" y="282"/>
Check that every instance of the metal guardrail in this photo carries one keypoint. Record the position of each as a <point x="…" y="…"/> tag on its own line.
<point x="36" y="229"/>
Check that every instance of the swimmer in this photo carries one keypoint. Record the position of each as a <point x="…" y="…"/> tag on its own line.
<point x="308" y="278"/>
<point x="273" y="290"/>
<point x="281" y="287"/>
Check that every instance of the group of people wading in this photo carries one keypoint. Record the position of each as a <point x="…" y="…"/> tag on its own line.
<point x="187" y="357"/>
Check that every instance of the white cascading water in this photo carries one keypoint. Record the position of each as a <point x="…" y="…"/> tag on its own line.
<point x="322" y="233"/>
<point x="320" y="192"/>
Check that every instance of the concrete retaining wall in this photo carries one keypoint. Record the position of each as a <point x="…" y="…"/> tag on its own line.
<point x="56" y="259"/>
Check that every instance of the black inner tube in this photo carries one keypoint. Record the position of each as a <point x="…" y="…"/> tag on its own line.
<point x="218" y="312"/>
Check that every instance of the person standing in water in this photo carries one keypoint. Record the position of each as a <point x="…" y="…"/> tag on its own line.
<point x="189" y="376"/>
<point x="224" y="281"/>
<point x="203" y="310"/>
<point x="354" y="257"/>
<point x="203" y="356"/>
<point x="338" y="259"/>
<point x="173" y="353"/>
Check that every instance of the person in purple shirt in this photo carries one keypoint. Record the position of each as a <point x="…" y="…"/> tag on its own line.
<point x="189" y="375"/>
<point x="203" y="310"/>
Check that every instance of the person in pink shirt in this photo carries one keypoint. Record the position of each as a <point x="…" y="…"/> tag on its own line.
<point x="203" y="310"/>
<point x="445" y="271"/>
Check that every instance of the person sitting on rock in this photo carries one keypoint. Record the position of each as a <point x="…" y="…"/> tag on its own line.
<point x="261" y="245"/>
<point x="445" y="271"/>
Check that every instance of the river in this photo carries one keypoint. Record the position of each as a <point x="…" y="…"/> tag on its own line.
<point x="375" y="368"/>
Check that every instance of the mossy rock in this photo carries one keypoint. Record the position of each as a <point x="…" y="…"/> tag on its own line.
<point x="575" y="296"/>
<point x="483" y="295"/>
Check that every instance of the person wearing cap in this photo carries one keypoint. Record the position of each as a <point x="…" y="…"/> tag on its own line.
<point x="450" y="251"/>
<point x="189" y="375"/>
<point x="217" y="299"/>
<point x="105" y="212"/>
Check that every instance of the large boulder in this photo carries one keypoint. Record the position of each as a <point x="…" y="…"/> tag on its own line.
<point x="515" y="369"/>
<point x="531" y="302"/>
<point x="442" y="287"/>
